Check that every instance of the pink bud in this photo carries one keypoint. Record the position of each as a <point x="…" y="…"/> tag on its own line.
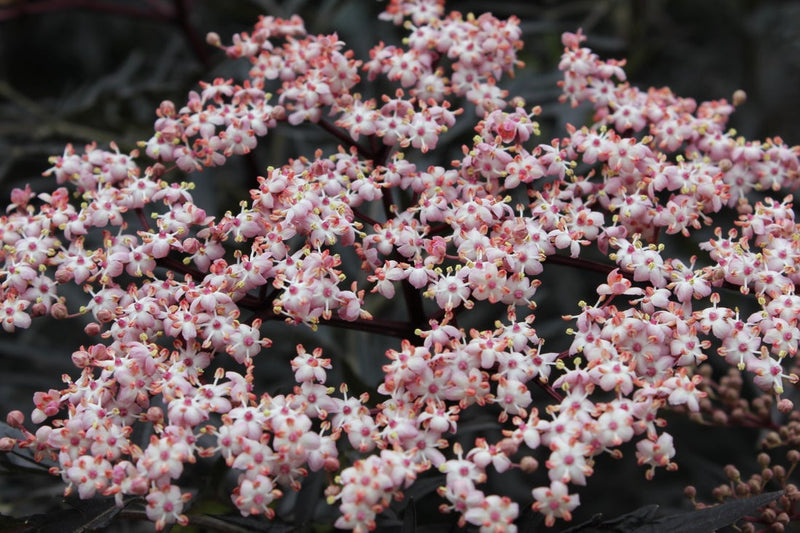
<point x="154" y="415"/>
<point x="38" y="309"/>
<point x="92" y="329"/>
<point x="105" y="315"/>
<point x="81" y="359"/>
<point x="785" y="405"/>
<point x="166" y="109"/>
<point x="59" y="310"/>
<point x="7" y="444"/>
<point x="63" y="275"/>
<point x="15" y="419"/>
<point x="156" y="170"/>
<point x="331" y="491"/>
<point x="100" y="353"/>
<point x="279" y="112"/>
<point x="528" y="464"/>
<point x="139" y="486"/>
<point x="213" y="39"/>
<point x="331" y="464"/>
<point x="508" y="446"/>
<point x="191" y="245"/>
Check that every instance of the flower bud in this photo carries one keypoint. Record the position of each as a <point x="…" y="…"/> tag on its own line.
<point x="772" y="439"/>
<point x="279" y="112"/>
<point x="105" y="315"/>
<point x="38" y="309"/>
<point x="785" y="405"/>
<point x="166" y="109"/>
<point x="154" y="415"/>
<point x="157" y="170"/>
<point x="721" y="492"/>
<point x="739" y="97"/>
<point x="508" y="446"/>
<point x="191" y="245"/>
<point x="7" y="444"/>
<point x="92" y="329"/>
<point x="15" y="419"/>
<point x="331" y="491"/>
<point x="732" y="473"/>
<point x="81" y="358"/>
<point x="59" y="311"/>
<point x="213" y="39"/>
<point x="63" y="276"/>
<point x="528" y="464"/>
<point x="742" y="490"/>
<point x="100" y="352"/>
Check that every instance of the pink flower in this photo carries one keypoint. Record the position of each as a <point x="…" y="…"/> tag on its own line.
<point x="165" y="505"/>
<point x="494" y="514"/>
<point x="656" y="452"/>
<point x="254" y="495"/>
<point x="555" y="502"/>
<point x="14" y="315"/>
<point x="568" y="463"/>
<point x="89" y="474"/>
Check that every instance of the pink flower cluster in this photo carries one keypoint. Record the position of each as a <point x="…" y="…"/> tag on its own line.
<point x="173" y="290"/>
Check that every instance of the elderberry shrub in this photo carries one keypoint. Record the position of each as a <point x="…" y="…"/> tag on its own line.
<point x="179" y="298"/>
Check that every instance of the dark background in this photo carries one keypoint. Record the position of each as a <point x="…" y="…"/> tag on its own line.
<point x="81" y="71"/>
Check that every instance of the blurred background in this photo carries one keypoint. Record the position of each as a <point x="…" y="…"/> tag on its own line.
<point x="77" y="71"/>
